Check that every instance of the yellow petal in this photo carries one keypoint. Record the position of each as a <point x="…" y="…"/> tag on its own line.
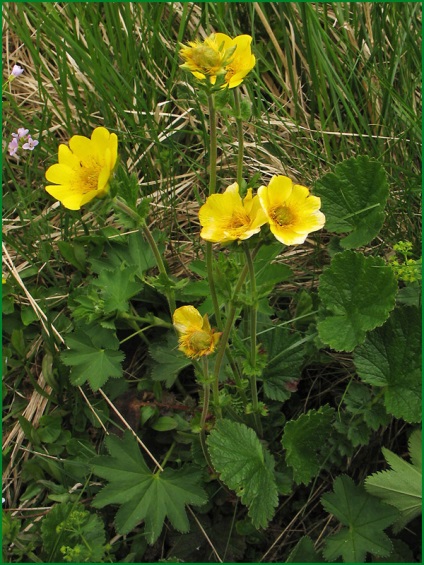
<point x="69" y="199"/>
<point x="59" y="174"/>
<point x="66" y="157"/>
<point x="187" y="317"/>
<point x="81" y="146"/>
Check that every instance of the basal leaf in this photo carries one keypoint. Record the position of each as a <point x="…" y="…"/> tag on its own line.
<point x="365" y="518"/>
<point x="285" y="359"/>
<point x="91" y="362"/>
<point x="246" y="467"/>
<point x="117" y="287"/>
<point x="303" y="439"/>
<point x="353" y="200"/>
<point x="143" y="495"/>
<point x="391" y="358"/>
<point x="357" y="293"/>
<point x="402" y="485"/>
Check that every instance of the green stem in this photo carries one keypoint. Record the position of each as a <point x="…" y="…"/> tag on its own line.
<point x="253" y="348"/>
<point x="240" y="138"/>
<point x="212" y="144"/>
<point x="212" y="190"/>
<point x="151" y="241"/>
<point x="168" y="455"/>
<point x="206" y="393"/>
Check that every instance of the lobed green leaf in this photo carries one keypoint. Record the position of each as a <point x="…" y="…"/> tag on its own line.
<point x="357" y="293"/>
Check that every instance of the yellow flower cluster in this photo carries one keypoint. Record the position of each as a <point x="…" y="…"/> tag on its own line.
<point x="219" y="55"/>
<point x="289" y="209"/>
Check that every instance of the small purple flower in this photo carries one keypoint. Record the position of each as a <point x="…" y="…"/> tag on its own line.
<point x="22" y="132"/>
<point x="13" y="146"/>
<point x="30" y="143"/>
<point x="16" y="71"/>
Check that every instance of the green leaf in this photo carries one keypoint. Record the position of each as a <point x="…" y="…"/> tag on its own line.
<point x="357" y="293"/>
<point x="91" y="359"/>
<point x="246" y="467"/>
<point x="304" y="552"/>
<point x="391" y="358"/>
<point x="303" y="439"/>
<point x="365" y="518"/>
<point x="168" y="361"/>
<point x="117" y="287"/>
<point x="402" y="485"/>
<point x="144" y="495"/>
<point x="69" y="529"/>
<point x="353" y="200"/>
<point x="285" y="360"/>
<point x="73" y="253"/>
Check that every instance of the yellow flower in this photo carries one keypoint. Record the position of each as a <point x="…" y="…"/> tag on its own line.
<point x="196" y="337"/>
<point x="218" y="55"/>
<point x="227" y="217"/>
<point x="291" y="210"/>
<point x="84" y="168"/>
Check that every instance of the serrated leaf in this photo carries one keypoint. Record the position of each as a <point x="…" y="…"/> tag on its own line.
<point x="245" y="467"/>
<point x="391" y="358"/>
<point x="353" y="200"/>
<point x="303" y="439"/>
<point x="285" y="359"/>
<point x="117" y="287"/>
<point x="168" y="361"/>
<point x="402" y="485"/>
<point x="357" y="293"/>
<point x="144" y="495"/>
<point x="90" y="362"/>
<point x="365" y="518"/>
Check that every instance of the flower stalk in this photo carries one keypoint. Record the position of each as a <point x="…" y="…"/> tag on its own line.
<point x="144" y="229"/>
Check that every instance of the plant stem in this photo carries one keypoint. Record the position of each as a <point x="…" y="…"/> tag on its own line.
<point x="144" y="229"/>
<point x="212" y="144"/>
<point x="253" y="348"/>
<point x="240" y="138"/>
<point x="223" y="342"/>
<point x="206" y="393"/>
<point x="212" y="190"/>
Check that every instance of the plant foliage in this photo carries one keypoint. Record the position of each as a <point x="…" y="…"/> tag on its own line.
<point x="143" y="495"/>
<point x="246" y="467"/>
<point x="401" y="486"/>
<point x="357" y="293"/>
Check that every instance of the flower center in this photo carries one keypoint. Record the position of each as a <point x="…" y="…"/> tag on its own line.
<point x="238" y="220"/>
<point x="206" y="57"/>
<point x="88" y="177"/>
<point x="200" y="341"/>
<point x="282" y="215"/>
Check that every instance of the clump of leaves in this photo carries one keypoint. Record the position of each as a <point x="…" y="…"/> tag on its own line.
<point x="72" y="534"/>
<point x="401" y="486"/>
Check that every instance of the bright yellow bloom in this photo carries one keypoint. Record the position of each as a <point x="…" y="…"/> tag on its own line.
<point x="196" y="337"/>
<point x="218" y="55"/>
<point x="84" y="168"/>
<point x="291" y="210"/>
<point x="227" y="217"/>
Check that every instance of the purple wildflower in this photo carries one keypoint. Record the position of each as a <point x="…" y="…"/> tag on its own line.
<point x="16" y="71"/>
<point x="13" y="146"/>
<point x="30" y="143"/>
